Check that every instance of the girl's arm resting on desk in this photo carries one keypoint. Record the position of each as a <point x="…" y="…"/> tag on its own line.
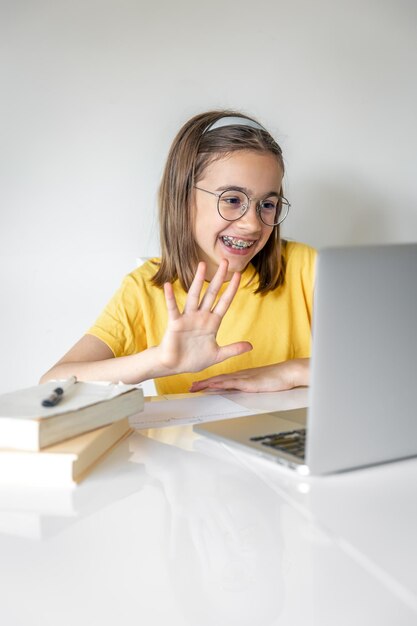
<point x="276" y="377"/>
<point x="189" y="343"/>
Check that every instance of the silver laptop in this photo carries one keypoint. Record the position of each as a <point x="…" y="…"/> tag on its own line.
<point x="362" y="400"/>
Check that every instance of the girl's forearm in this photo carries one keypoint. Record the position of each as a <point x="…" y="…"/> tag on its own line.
<point x="132" y="369"/>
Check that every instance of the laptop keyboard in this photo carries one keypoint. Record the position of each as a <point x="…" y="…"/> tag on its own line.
<point x="291" y="441"/>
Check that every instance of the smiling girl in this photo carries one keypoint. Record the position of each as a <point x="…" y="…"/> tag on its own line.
<point x="228" y="298"/>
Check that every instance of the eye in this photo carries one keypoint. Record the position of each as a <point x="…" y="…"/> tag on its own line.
<point x="270" y="205"/>
<point x="232" y="199"/>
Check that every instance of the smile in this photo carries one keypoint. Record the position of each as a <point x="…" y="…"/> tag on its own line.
<point x="234" y="242"/>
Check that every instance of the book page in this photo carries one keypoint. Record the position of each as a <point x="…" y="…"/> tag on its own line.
<point x="27" y="403"/>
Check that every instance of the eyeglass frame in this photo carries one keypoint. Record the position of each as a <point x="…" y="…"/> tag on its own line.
<point x="247" y="205"/>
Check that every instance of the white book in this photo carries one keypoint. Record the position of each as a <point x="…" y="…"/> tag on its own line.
<point x="63" y="464"/>
<point x="25" y="424"/>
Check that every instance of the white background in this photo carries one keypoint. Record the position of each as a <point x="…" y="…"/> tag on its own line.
<point x="93" y="92"/>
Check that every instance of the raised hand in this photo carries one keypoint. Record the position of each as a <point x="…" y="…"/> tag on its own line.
<point x="189" y="343"/>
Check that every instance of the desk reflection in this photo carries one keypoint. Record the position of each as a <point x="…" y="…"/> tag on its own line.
<point x="224" y="542"/>
<point x="37" y="514"/>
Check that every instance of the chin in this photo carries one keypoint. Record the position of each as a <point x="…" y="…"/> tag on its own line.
<point x="238" y="266"/>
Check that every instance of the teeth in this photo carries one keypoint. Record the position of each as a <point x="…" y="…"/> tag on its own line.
<point x="234" y="242"/>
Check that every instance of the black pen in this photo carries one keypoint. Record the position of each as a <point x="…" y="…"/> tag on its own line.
<point x="58" y="392"/>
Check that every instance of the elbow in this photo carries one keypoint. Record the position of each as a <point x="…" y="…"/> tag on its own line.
<point x="49" y="375"/>
<point x="44" y="378"/>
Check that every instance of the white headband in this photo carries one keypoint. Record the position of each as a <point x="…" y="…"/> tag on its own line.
<point x="233" y="121"/>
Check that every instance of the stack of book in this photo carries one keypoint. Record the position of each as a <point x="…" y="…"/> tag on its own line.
<point x="52" y="434"/>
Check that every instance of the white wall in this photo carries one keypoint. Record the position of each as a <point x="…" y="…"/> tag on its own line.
<point x="93" y="92"/>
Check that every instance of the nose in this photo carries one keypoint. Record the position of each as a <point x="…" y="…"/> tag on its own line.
<point x="250" y="220"/>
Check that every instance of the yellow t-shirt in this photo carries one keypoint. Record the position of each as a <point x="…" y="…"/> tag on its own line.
<point x="277" y="324"/>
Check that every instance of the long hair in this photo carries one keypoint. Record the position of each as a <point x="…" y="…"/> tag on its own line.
<point x="191" y="152"/>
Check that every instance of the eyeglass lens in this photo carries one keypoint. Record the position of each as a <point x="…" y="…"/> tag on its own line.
<point x="232" y="204"/>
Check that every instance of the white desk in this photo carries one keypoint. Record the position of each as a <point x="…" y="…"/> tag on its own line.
<point x="179" y="530"/>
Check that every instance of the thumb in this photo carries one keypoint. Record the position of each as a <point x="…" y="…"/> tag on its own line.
<point x="233" y="349"/>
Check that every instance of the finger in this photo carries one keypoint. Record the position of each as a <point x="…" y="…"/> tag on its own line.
<point x="215" y="285"/>
<point x="226" y="298"/>
<point x="171" y="303"/>
<point x="235" y="384"/>
<point x="219" y="377"/>
<point x="233" y="349"/>
<point x="204" y="383"/>
<point x="193" y="296"/>
<point x="252" y="385"/>
<point x="199" y="385"/>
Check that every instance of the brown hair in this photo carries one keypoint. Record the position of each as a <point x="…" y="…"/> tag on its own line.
<point x="191" y="152"/>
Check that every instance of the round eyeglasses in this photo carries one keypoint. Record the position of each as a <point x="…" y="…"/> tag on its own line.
<point x="232" y="204"/>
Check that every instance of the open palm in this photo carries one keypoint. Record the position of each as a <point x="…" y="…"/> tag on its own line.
<point x="189" y="343"/>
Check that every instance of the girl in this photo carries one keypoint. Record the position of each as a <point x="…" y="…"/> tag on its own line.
<point x="228" y="296"/>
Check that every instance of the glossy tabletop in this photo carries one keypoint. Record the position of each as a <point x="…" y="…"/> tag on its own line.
<point x="172" y="528"/>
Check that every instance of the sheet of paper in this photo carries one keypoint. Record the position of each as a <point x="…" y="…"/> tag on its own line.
<point x="271" y="400"/>
<point x="187" y="410"/>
